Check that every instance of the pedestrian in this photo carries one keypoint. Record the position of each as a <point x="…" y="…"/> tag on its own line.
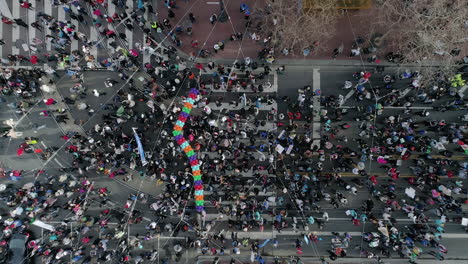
<point x="171" y="14"/>
<point x="27" y="5"/>
<point x="221" y="45"/>
<point x="6" y="20"/>
<point x="216" y="47"/>
<point x="20" y="22"/>
<point x="247" y="14"/>
<point x="37" y="26"/>
<point x="213" y="19"/>
<point x="192" y="18"/>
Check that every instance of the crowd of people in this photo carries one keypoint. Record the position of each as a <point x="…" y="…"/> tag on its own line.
<point x="252" y="183"/>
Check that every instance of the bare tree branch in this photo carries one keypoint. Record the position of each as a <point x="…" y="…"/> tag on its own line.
<point x="296" y="29"/>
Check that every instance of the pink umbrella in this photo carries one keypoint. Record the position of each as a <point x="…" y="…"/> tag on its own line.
<point x="382" y="160"/>
<point x="20" y="151"/>
<point x="134" y="53"/>
<point x="33" y="59"/>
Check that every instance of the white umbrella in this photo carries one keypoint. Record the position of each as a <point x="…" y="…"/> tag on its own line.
<point x="177" y="248"/>
<point x="464" y="222"/>
<point x="226" y="142"/>
<point x="383" y="230"/>
<point x="28" y="185"/>
<point x="82" y="106"/>
<point x="410" y="192"/>
<point x="10" y="122"/>
<point x="46" y="88"/>
<point x="2" y="187"/>
<point x="361" y="165"/>
<point x="19" y="211"/>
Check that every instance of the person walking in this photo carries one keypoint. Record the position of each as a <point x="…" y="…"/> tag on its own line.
<point x="20" y="22"/>
<point x="213" y="19"/>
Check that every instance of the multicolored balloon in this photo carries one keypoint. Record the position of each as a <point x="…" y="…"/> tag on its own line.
<point x="185" y="145"/>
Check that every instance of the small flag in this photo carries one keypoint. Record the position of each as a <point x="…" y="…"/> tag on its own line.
<point x="264" y="243"/>
<point x="140" y="148"/>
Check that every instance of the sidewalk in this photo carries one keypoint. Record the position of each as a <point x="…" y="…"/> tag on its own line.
<point x="207" y="34"/>
<point x="353" y="24"/>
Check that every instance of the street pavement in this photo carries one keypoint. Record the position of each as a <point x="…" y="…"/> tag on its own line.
<point x="261" y="115"/>
<point x="328" y="79"/>
<point x="32" y="41"/>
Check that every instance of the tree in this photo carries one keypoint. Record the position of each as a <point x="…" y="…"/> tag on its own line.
<point x="297" y="27"/>
<point x="425" y="31"/>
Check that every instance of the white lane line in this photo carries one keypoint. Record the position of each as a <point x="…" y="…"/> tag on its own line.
<point x="396" y="107"/>
<point x="16" y="29"/>
<point x="405" y="92"/>
<point x="1" y="36"/>
<point x="75" y="45"/>
<point x="146" y="55"/>
<point x="44" y="145"/>
<point x="129" y="33"/>
<point x="263" y="107"/>
<point x="5" y="10"/>
<point x="316" y="127"/>
<point x="94" y="38"/>
<point x="275" y="82"/>
<point x="60" y="164"/>
<point x="461" y="92"/>
<point x="61" y="14"/>
<point x="266" y="89"/>
<point x="48" y="11"/>
<point x="212" y="3"/>
<point x="350" y="93"/>
<point x="110" y="12"/>
<point x="31" y="19"/>
<point x="274" y="233"/>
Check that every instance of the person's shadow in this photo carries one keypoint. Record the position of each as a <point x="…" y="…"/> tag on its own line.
<point x="167" y="252"/>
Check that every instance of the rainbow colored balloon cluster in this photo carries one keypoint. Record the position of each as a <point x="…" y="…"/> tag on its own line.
<point x="184" y="144"/>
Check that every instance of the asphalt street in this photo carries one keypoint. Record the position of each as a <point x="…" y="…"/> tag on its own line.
<point x="286" y="84"/>
<point x="27" y="41"/>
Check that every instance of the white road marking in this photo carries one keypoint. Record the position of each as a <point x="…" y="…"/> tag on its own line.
<point x="316" y="108"/>
<point x="61" y="14"/>
<point x="405" y="92"/>
<point x="275" y="82"/>
<point x="58" y="162"/>
<point x="396" y="107"/>
<point x="461" y="92"/>
<point x="16" y="29"/>
<point x="263" y="107"/>
<point x="48" y="11"/>
<point x="273" y="234"/>
<point x="31" y="19"/>
<point x="110" y="12"/>
<point x="350" y="93"/>
<point x="75" y="43"/>
<point x="1" y="34"/>
<point x="146" y="57"/>
<point x="212" y="3"/>
<point x="129" y="33"/>
<point x="44" y="145"/>
<point x="94" y="38"/>
<point x="5" y="10"/>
